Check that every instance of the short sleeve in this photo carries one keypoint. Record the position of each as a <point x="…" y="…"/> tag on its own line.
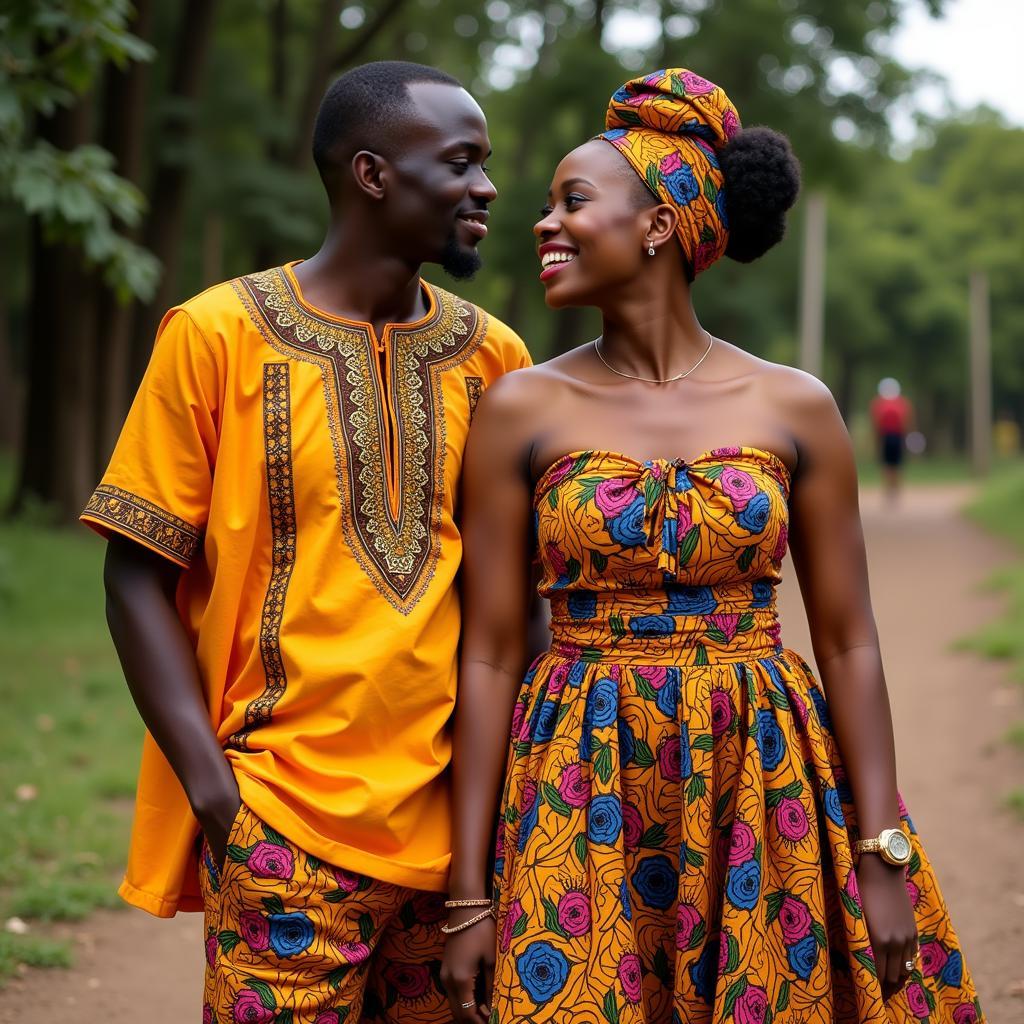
<point x="156" y="489"/>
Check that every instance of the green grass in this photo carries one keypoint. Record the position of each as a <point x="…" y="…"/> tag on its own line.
<point x="69" y="738"/>
<point x="999" y="508"/>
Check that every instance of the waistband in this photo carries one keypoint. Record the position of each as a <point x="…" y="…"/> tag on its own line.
<point x="671" y="625"/>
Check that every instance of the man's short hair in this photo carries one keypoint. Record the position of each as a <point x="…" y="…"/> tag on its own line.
<point x="364" y="107"/>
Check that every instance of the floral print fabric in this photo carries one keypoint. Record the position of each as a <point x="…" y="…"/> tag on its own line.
<point x="675" y="834"/>
<point x="669" y="125"/>
<point x="291" y="940"/>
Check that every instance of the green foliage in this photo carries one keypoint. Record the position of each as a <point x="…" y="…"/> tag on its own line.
<point x="50" y="55"/>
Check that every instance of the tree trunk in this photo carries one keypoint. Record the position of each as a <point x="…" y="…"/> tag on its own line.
<point x="56" y="465"/>
<point x="124" y="104"/>
<point x="168" y="192"/>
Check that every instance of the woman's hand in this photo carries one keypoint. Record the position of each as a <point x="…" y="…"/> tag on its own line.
<point x="890" y="920"/>
<point x="467" y="968"/>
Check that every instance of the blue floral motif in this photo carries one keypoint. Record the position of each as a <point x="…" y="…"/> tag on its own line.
<point x="770" y="741"/>
<point x="614" y="133"/>
<point x="620" y="96"/>
<point x="544" y="721"/>
<point x="821" y="708"/>
<point x="667" y="699"/>
<point x="743" y="885"/>
<point x="527" y="824"/>
<point x="762" y="594"/>
<point x="656" y="881"/>
<point x="582" y="604"/>
<point x="754" y="517"/>
<point x="652" y="625"/>
<point x="704" y="973"/>
<point x="627" y="528"/>
<point x="681" y="184"/>
<point x="543" y="970"/>
<point x="604" y="820"/>
<point x="691" y="600"/>
<point x="685" y="755"/>
<point x="627" y="743"/>
<point x="576" y="673"/>
<point x="602" y="703"/>
<point x="768" y="664"/>
<point x="833" y="808"/>
<point x="627" y="906"/>
<point x="803" y="956"/>
<point x="670" y="536"/>
<point x="953" y="972"/>
<point x="290" y="934"/>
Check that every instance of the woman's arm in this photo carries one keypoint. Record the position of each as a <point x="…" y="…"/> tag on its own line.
<point x="828" y="550"/>
<point x="496" y="530"/>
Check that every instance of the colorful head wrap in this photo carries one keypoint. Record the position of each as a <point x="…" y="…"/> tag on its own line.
<point x="668" y="125"/>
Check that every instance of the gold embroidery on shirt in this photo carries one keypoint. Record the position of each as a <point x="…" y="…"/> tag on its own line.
<point x="142" y="519"/>
<point x="474" y="389"/>
<point x="277" y="443"/>
<point x="393" y="531"/>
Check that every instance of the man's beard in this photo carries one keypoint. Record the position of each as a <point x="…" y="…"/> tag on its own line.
<point x="458" y="261"/>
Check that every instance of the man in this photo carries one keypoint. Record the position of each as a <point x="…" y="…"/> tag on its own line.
<point x="891" y="415"/>
<point x="281" y="567"/>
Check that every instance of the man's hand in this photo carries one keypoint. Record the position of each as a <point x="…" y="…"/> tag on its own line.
<point x="467" y="968"/>
<point x="216" y="814"/>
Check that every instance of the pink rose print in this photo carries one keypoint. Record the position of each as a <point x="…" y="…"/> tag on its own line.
<point x="410" y="981"/>
<point x="528" y="797"/>
<point x="916" y="1000"/>
<point x="249" y="1009"/>
<point x="347" y="881"/>
<point x="632" y="826"/>
<point x="704" y="255"/>
<point x="574" y="786"/>
<point x="774" y="633"/>
<point x="795" y="919"/>
<point x="559" y="474"/>
<point x="901" y="806"/>
<point x="914" y="893"/>
<point x="656" y="675"/>
<point x="670" y="760"/>
<point x="518" y="715"/>
<point x="574" y="913"/>
<point x="780" y="545"/>
<point x="965" y="1013"/>
<point x="353" y="952"/>
<point x="556" y="558"/>
<point x="723" y="951"/>
<point x="630" y="977"/>
<point x="933" y="959"/>
<point x="851" y="888"/>
<point x="729" y="452"/>
<point x="268" y="860"/>
<point x="741" y="843"/>
<point x="722" y="712"/>
<point x="207" y="1013"/>
<point x="255" y="929"/>
<point x="614" y="496"/>
<point x="695" y="85"/>
<point x="687" y="919"/>
<point x="739" y="486"/>
<point x="724" y="622"/>
<point x="211" y="950"/>
<point x="791" y="819"/>
<point x="515" y="911"/>
<point x="429" y="907"/>
<point x="330" y="1017"/>
<point x="684" y="521"/>
<point x="558" y="678"/>
<point x="672" y="162"/>
<point x="730" y="124"/>
<point x="752" y="1006"/>
<point x="798" y="705"/>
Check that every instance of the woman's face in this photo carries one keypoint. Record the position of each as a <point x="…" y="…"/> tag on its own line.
<point x="591" y="233"/>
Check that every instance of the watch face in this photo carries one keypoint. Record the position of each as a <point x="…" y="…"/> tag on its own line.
<point x="898" y="846"/>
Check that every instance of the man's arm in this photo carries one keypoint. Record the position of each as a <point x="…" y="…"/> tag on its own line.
<point x="159" y="664"/>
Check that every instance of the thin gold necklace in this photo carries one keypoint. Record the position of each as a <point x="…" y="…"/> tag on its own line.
<point x="655" y="380"/>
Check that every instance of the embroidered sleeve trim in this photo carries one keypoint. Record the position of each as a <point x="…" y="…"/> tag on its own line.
<point x="139" y="519"/>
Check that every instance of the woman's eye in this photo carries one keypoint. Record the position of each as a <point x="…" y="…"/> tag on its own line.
<point x="545" y="211"/>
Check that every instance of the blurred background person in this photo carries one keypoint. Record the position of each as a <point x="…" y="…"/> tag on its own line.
<point x="892" y="415"/>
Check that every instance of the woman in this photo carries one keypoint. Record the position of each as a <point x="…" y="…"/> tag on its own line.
<point x="678" y="829"/>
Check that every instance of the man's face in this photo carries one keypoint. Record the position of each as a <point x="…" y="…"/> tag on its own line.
<point x="437" y="201"/>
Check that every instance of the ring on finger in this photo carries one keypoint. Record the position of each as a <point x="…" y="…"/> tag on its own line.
<point x="468" y="1006"/>
<point x="909" y="965"/>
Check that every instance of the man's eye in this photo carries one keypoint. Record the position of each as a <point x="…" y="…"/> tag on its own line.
<point x="461" y="165"/>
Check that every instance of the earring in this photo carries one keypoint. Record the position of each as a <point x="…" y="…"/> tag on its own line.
<point x="650" y="250"/>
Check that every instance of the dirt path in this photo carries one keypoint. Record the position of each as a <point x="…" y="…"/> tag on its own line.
<point x="927" y="566"/>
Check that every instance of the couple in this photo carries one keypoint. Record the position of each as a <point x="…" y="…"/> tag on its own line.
<point x="676" y="838"/>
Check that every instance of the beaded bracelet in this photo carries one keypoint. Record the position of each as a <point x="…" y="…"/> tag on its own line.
<point x="452" y="904"/>
<point x="450" y="930"/>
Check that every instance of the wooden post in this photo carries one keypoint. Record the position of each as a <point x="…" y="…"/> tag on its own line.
<point x="812" y="286"/>
<point x="980" y="361"/>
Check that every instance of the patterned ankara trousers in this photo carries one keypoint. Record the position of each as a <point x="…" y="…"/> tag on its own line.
<point x="291" y="940"/>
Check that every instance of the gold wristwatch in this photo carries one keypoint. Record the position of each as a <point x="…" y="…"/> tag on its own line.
<point x="892" y="846"/>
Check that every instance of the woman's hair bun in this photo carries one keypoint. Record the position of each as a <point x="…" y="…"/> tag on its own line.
<point x="762" y="179"/>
